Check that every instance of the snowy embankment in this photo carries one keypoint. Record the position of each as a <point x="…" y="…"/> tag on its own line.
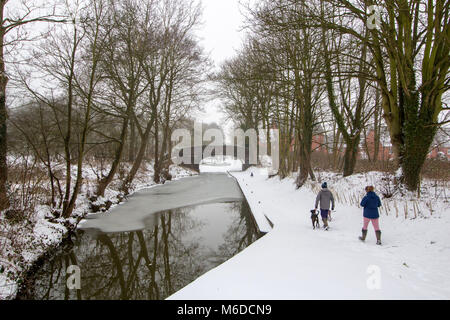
<point x="293" y="261"/>
<point x="22" y="244"/>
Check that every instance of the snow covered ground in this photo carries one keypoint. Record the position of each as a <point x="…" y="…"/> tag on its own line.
<point x="293" y="261"/>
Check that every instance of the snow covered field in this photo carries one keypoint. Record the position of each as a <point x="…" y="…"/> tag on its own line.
<point x="293" y="261"/>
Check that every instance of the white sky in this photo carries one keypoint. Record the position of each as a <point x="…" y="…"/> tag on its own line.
<point x="221" y="29"/>
<point x="221" y="36"/>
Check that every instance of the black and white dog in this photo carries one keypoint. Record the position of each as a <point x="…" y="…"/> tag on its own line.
<point x="315" y="219"/>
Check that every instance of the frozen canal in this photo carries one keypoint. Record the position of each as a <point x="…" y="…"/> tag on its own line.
<point x="160" y="240"/>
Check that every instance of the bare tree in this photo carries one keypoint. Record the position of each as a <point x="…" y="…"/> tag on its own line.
<point x="122" y="64"/>
<point x="28" y="14"/>
<point x="71" y="65"/>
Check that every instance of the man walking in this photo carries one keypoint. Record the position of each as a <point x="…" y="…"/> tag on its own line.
<point x="325" y="197"/>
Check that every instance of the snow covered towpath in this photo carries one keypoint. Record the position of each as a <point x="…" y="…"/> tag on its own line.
<point x="293" y="261"/>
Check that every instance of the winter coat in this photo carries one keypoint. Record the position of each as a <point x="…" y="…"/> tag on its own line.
<point x="371" y="202"/>
<point x="325" y="197"/>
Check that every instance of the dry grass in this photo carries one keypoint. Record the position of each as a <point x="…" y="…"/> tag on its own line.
<point x="396" y="202"/>
<point x="434" y="169"/>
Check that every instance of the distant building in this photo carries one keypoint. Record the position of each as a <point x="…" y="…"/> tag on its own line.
<point x="384" y="149"/>
<point x="439" y="151"/>
<point x="320" y="144"/>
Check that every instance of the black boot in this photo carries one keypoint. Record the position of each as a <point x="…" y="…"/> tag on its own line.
<point x="364" y="235"/>
<point x="378" y="234"/>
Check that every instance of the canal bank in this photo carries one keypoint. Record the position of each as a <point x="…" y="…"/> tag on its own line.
<point x="51" y="236"/>
<point x="260" y="218"/>
<point x="207" y="222"/>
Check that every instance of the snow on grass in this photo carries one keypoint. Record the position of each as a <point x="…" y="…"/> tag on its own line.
<point x="293" y="261"/>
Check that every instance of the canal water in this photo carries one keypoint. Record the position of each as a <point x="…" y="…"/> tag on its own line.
<point x="139" y="252"/>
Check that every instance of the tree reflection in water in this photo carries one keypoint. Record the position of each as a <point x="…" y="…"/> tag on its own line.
<point x="241" y="233"/>
<point x="149" y="264"/>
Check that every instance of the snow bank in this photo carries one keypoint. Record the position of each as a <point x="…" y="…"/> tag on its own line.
<point x="293" y="261"/>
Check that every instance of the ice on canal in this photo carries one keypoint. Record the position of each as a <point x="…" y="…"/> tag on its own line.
<point x="138" y="214"/>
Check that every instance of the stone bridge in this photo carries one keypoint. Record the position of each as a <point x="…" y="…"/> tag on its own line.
<point x="237" y="152"/>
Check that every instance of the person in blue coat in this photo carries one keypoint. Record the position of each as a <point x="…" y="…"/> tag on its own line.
<point x="371" y="202"/>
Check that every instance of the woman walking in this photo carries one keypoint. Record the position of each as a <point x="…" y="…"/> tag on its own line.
<point x="371" y="202"/>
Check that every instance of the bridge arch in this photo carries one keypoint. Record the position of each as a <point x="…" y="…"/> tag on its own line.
<point x="197" y="154"/>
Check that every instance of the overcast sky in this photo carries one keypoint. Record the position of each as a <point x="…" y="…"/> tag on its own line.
<point x="221" y="29"/>
<point x="221" y="36"/>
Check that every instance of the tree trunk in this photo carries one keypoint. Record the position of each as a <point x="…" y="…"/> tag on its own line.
<point x="68" y="137"/>
<point x="132" y="147"/>
<point x="82" y="143"/>
<point x="4" y="201"/>
<point x="156" y="166"/>
<point x="418" y="137"/>
<point x="376" y="128"/>
<point x="305" y="146"/>
<point x="115" y="165"/>
<point x="138" y="159"/>
<point x="351" y="155"/>
<point x="336" y="146"/>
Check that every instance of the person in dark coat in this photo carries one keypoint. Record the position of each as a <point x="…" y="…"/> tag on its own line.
<point x="371" y="202"/>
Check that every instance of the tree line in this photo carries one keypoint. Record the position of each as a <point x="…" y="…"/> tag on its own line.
<point x="340" y="67"/>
